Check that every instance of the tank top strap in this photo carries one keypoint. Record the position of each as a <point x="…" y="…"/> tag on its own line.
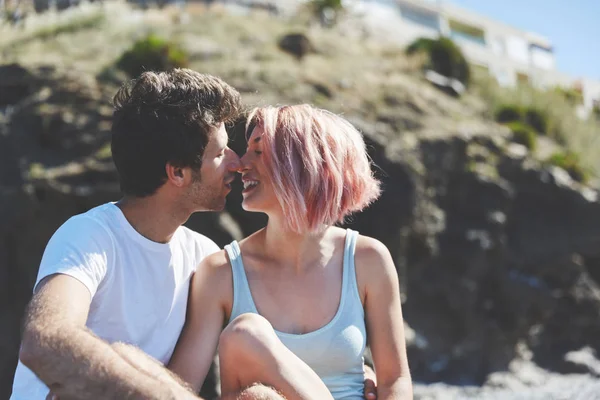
<point x="351" y="284"/>
<point x="235" y="259"/>
<point x="242" y="296"/>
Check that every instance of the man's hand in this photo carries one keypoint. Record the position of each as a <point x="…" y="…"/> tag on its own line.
<point x="370" y="383"/>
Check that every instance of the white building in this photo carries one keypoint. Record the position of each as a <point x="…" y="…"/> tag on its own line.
<point x="509" y="54"/>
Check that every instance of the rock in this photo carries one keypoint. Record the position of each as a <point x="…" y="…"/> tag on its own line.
<point x="296" y="44"/>
<point x="41" y="5"/>
<point x="495" y="252"/>
<point x="585" y="360"/>
<point x="323" y="89"/>
<point x="451" y="86"/>
<point x="16" y="83"/>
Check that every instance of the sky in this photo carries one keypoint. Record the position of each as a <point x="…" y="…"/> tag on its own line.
<point x="572" y="26"/>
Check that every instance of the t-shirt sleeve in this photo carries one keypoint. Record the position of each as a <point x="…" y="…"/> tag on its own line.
<point x="80" y="248"/>
<point x="205" y="247"/>
<point x="208" y="247"/>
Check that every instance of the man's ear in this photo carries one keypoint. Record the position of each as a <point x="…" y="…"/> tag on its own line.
<point x="176" y="175"/>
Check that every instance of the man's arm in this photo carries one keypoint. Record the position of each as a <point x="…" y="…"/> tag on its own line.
<point x="73" y="362"/>
<point x="385" y="327"/>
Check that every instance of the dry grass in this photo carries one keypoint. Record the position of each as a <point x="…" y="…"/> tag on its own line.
<point x="580" y="136"/>
<point x="348" y="74"/>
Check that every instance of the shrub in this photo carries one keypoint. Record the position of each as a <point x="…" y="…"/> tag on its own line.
<point x="564" y="124"/>
<point x="445" y="57"/>
<point x="570" y="162"/>
<point x="296" y="44"/>
<point x="508" y="113"/>
<point x="537" y="119"/>
<point x="523" y="134"/>
<point x="326" y="10"/>
<point x="596" y="112"/>
<point x="152" y="54"/>
<point x="322" y="5"/>
<point x="421" y="44"/>
<point x="572" y="95"/>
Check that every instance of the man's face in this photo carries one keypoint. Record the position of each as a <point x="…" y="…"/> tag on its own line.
<point x="219" y="164"/>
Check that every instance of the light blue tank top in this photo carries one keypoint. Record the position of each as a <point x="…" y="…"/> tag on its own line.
<point x="334" y="351"/>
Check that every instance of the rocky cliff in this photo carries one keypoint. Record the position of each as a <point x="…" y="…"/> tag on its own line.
<point x="498" y="255"/>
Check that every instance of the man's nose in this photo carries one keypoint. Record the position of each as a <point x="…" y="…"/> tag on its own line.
<point x="234" y="163"/>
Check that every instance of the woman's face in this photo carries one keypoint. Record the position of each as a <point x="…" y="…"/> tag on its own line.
<point x="258" y="190"/>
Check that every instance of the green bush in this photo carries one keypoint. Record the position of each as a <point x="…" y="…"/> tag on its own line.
<point x="532" y="116"/>
<point x="326" y="10"/>
<point x="523" y="134"/>
<point x="537" y="119"/>
<point x="508" y="113"/>
<point x="596" y="112"/>
<point x="322" y="5"/>
<point x="152" y="54"/>
<point x="420" y="44"/>
<point x="572" y="95"/>
<point x="445" y="57"/>
<point x="570" y="162"/>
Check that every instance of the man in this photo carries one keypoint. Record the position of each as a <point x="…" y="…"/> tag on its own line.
<point x="120" y="272"/>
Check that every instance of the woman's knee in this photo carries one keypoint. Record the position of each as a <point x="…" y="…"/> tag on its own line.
<point x="248" y="334"/>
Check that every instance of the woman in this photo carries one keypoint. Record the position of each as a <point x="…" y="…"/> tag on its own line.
<point x="299" y="296"/>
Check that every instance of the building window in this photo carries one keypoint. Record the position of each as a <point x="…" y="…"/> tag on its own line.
<point x="420" y="17"/>
<point x="542" y="57"/>
<point x="462" y="31"/>
<point x="517" y="49"/>
<point x="522" y="78"/>
<point x="504" y="77"/>
<point x="497" y="45"/>
<point x="391" y="3"/>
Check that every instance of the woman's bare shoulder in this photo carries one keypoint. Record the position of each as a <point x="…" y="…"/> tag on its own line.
<point x="215" y="260"/>
<point x="371" y="248"/>
<point x="373" y="260"/>
<point x="214" y="269"/>
<point x="212" y="281"/>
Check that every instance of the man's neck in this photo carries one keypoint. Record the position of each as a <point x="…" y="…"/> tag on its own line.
<point x="152" y="218"/>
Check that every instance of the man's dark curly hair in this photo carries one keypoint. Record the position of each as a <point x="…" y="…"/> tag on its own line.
<point x="166" y="117"/>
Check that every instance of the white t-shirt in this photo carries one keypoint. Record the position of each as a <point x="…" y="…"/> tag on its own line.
<point x="139" y="287"/>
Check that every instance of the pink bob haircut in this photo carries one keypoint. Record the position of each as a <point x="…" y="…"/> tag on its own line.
<point x="317" y="162"/>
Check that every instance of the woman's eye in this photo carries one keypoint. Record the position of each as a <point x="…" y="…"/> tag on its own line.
<point x="258" y="152"/>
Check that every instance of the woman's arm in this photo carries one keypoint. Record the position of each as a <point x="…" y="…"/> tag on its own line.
<point x="210" y="291"/>
<point x="385" y="327"/>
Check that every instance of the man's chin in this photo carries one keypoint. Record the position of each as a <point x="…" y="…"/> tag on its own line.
<point x="218" y="206"/>
<point x="213" y="207"/>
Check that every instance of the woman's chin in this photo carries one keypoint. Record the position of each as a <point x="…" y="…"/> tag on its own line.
<point x="247" y="206"/>
<point x="252" y="207"/>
